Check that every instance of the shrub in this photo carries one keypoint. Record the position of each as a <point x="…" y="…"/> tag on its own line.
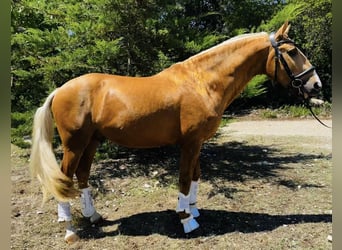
<point x="21" y="128"/>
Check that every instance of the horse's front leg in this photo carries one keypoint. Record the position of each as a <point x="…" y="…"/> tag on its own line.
<point x="188" y="185"/>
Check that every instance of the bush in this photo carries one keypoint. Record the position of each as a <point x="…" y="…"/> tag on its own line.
<point x="21" y="128"/>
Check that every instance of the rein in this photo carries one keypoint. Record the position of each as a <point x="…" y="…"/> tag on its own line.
<point x="307" y="104"/>
<point x="296" y="80"/>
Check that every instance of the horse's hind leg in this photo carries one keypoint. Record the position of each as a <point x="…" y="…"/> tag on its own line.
<point x="82" y="173"/>
<point x="78" y="150"/>
<point x="71" y="158"/>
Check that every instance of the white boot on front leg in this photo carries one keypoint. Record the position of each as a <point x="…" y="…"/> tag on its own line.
<point x="87" y="207"/>
<point x="189" y="224"/>
<point x="64" y="215"/>
<point x="193" y="199"/>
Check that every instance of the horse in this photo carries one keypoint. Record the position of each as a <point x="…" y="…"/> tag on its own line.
<point x="182" y="105"/>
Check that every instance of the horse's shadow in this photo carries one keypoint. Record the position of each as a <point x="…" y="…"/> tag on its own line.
<point x="212" y="222"/>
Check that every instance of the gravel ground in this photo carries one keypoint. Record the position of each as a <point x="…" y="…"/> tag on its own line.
<point x="279" y="128"/>
<point x="266" y="185"/>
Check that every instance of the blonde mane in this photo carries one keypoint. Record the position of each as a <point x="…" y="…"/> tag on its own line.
<point x="230" y="41"/>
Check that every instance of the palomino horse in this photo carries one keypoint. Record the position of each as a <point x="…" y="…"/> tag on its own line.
<point x="181" y="105"/>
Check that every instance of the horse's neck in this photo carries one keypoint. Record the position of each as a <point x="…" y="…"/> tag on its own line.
<point x="230" y="65"/>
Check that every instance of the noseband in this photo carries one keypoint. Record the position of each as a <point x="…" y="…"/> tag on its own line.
<point x="296" y="80"/>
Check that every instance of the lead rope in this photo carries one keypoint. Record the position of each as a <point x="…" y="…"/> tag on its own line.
<point x="314" y="115"/>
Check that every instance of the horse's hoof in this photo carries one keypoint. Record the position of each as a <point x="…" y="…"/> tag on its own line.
<point x="194" y="211"/>
<point x="96" y="217"/>
<point x="189" y="224"/>
<point x="71" y="237"/>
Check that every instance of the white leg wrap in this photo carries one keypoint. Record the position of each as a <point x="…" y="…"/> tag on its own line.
<point x="183" y="203"/>
<point x="87" y="206"/>
<point x="189" y="224"/>
<point x="64" y="213"/>
<point x="193" y="198"/>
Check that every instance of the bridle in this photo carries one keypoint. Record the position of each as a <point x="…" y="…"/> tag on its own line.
<point x="296" y="81"/>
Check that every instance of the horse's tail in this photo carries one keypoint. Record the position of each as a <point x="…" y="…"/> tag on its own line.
<point x="43" y="163"/>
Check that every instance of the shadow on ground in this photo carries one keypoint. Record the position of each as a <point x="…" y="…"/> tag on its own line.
<point x="212" y="222"/>
<point x="232" y="161"/>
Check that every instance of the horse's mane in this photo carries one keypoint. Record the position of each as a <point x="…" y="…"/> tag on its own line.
<point x="230" y="41"/>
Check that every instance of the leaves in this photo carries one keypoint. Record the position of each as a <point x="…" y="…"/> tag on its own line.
<point x="54" y="41"/>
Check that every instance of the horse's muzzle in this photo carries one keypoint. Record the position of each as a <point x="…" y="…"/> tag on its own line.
<point x="315" y="89"/>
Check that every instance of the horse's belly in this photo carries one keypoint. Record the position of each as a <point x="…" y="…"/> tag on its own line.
<point x="142" y="138"/>
<point x="145" y="132"/>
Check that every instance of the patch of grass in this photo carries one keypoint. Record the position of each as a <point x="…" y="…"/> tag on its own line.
<point x="296" y="111"/>
<point x="225" y="121"/>
<point x="269" y="114"/>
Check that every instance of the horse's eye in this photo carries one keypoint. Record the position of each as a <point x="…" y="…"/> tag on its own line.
<point x="292" y="52"/>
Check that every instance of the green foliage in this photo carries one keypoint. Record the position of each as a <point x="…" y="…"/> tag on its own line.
<point x="288" y="13"/>
<point x="312" y="30"/>
<point x="21" y="126"/>
<point x="255" y="87"/>
<point x="54" y="41"/>
<point x="106" y="150"/>
<point x="311" y="23"/>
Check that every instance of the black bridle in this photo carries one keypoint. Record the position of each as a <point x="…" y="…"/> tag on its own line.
<point x="296" y="81"/>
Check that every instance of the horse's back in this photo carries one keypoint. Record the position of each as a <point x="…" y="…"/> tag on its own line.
<point x="132" y="111"/>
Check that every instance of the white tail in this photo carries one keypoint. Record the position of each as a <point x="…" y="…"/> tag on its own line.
<point x="43" y="163"/>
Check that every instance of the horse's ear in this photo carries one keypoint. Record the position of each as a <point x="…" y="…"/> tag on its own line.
<point x="287" y="29"/>
<point x="283" y="31"/>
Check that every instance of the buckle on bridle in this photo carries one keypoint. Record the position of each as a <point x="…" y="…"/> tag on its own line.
<point x="297" y="83"/>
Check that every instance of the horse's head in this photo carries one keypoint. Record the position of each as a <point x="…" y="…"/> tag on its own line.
<point x="287" y="65"/>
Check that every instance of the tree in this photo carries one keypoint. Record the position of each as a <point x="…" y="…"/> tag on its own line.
<point x="54" y="41"/>
<point x="313" y="31"/>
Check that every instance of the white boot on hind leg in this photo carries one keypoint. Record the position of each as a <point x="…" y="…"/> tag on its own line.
<point x="87" y="207"/>
<point x="189" y="224"/>
<point x="64" y="215"/>
<point x="70" y="235"/>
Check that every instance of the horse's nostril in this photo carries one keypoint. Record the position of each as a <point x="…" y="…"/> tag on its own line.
<point x="317" y="85"/>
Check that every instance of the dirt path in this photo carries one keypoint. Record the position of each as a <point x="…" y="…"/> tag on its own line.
<point x="265" y="185"/>
<point x="279" y="128"/>
<point x="305" y="132"/>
